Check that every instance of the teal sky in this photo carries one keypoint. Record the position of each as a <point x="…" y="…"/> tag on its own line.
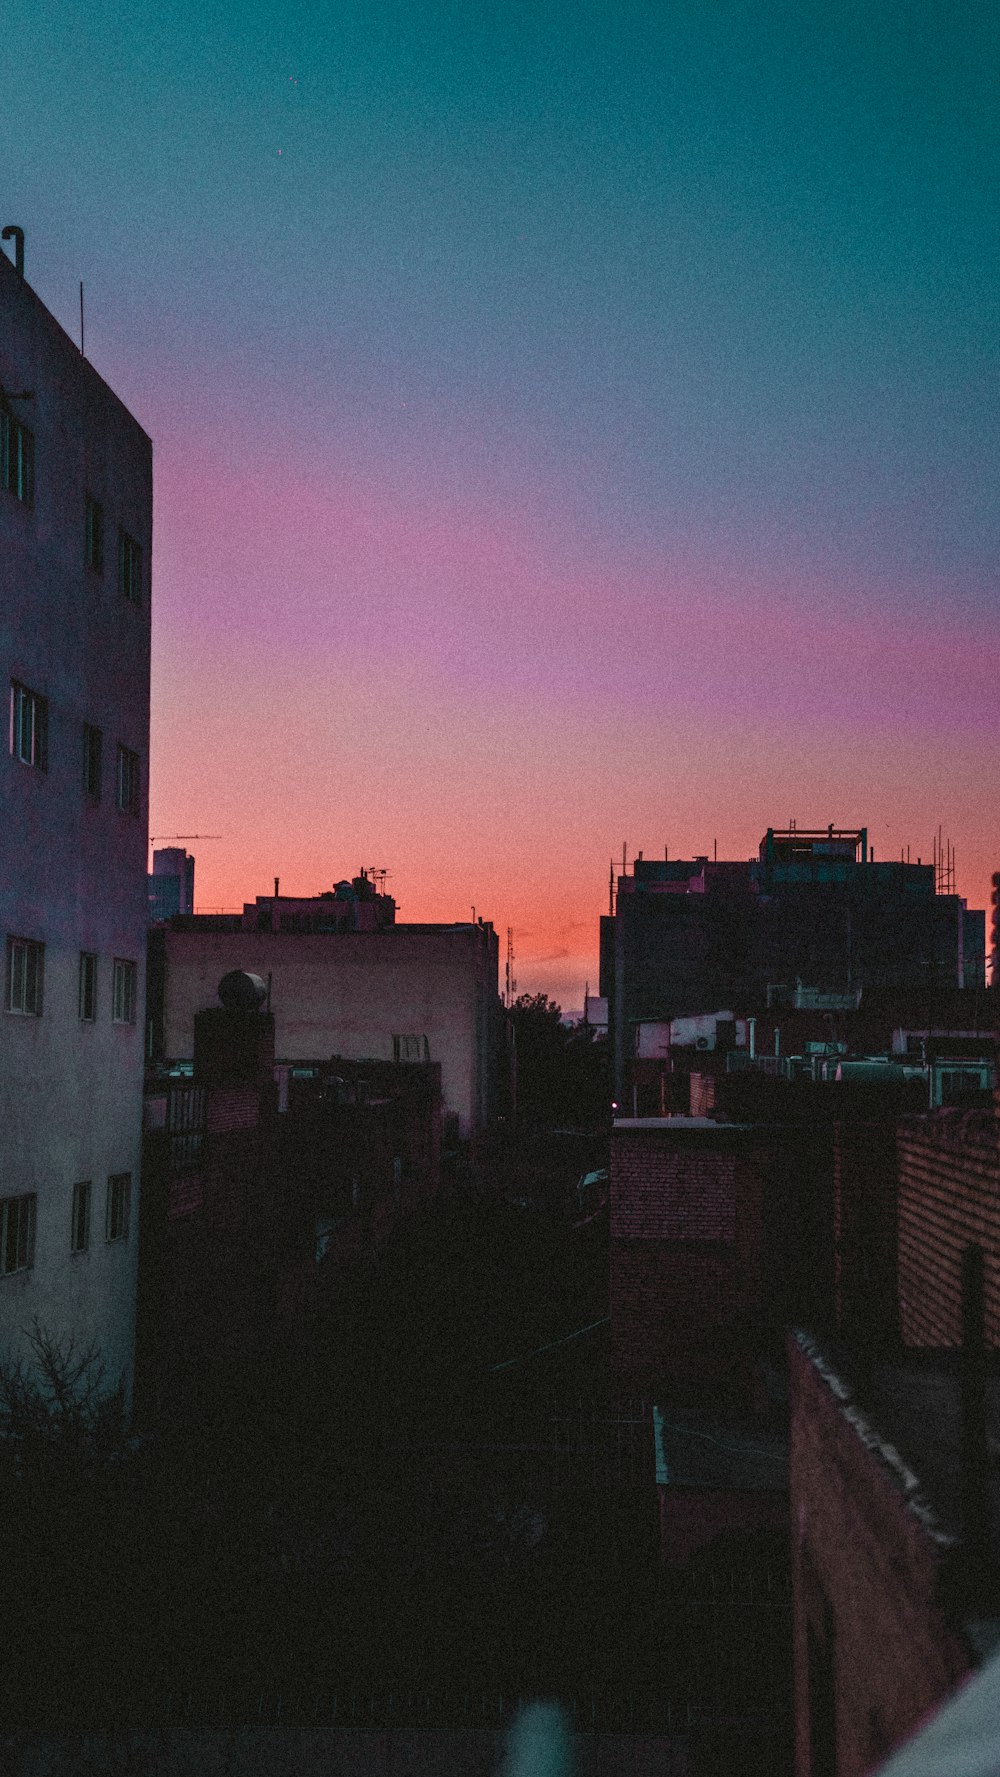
<point x="680" y="298"/>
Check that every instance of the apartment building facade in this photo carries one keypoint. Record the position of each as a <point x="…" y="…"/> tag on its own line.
<point x="75" y="537"/>
<point x="393" y="992"/>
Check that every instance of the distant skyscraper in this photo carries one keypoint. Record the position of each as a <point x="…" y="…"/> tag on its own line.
<point x="171" y="886"/>
<point x="75" y="533"/>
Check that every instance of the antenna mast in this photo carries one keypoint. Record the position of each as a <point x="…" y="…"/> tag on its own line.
<point x="944" y="865"/>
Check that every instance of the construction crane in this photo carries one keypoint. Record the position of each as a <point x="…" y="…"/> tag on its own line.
<point x="153" y="837"/>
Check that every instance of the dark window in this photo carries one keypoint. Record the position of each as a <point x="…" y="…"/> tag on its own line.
<point x="17" y="1234"/>
<point x="93" y="750"/>
<point x="29" y="726"/>
<point x="25" y="969"/>
<point x="128" y="780"/>
<point x="88" y="986"/>
<point x="123" y="994"/>
<point x="17" y="458"/>
<point x="93" y="534"/>
<point x="80" y="1231"/>
<point x="956" y="1081"/>
<point x="119" y="1196"/>
<point x="186" y="1123"/>
<point x="129" y="568"/>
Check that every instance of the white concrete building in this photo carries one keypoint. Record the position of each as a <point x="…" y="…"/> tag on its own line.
<point x="75" y="535"/>
<point x="399" y="993"/>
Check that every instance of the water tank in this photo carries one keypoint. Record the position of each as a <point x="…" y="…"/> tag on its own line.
<point x="240" y="991"/>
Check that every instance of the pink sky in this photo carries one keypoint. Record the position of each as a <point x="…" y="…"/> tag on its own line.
<point x="350" y="669"/>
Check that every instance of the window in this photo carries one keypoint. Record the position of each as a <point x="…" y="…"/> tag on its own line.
<point x="80" y="1231"/>
<point x="29" y="726"/>
<point x="93" y="534"/>
<point x="88" y="986"/>
<point x="186" y="1123"/>
<point x="129" y="568"/>
<point x="17" y="458"/>
<point x="119" y="1196"/>
<point x="123" y="991"/>
<point x="128" y="780"/>
<point x="17" y="1234"/>
<point x="25" y="967"/>
<point x="93" y="752"/>
<point x="411" y="1048"/>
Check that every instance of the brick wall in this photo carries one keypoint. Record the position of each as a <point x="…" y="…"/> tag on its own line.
<point x="703" y="1094"/>
<point x="679" y="1316"/>
<point x="867" y="1581"/>
<point x="688" y="1243"/>
<point x="232" y="1107"/>
<point x="662" y="1191"/>
<point x="949" y="1195"/>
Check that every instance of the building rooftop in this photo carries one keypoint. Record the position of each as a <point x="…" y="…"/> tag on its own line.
<point x="678" y="1125"/>
<point x="714" y="1448"/>
<point x="908" y="1413"/>
<point x="68" y="346"/>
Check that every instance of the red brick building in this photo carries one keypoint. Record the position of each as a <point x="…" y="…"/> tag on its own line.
<point x="890" y="1601"/>
<point x="949" y="1195"/>
<point x="720" y="1233"/>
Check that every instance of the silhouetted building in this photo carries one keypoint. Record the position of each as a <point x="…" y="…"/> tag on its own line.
<point x="264" y="1187"/>
<point x="814" y="907"/>
<point x="75" y="532"/>
<point x="345" y="979"/>
<point x="360" y="1153"/>
<point x="215" y="1230"/>
<point x="171" y="884"/>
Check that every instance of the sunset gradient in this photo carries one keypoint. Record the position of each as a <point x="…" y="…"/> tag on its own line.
<point x="572" y="425"/>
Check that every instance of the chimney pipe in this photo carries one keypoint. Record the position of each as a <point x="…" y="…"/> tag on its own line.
<point x="12" y="232"/>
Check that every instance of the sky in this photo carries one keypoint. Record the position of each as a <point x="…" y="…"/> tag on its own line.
<point x="574" y="425"/>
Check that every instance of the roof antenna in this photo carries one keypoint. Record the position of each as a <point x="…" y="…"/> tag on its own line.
<point x="15" y="234"/>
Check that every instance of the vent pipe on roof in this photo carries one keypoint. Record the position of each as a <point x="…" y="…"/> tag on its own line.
<point x="15" y="234"/>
